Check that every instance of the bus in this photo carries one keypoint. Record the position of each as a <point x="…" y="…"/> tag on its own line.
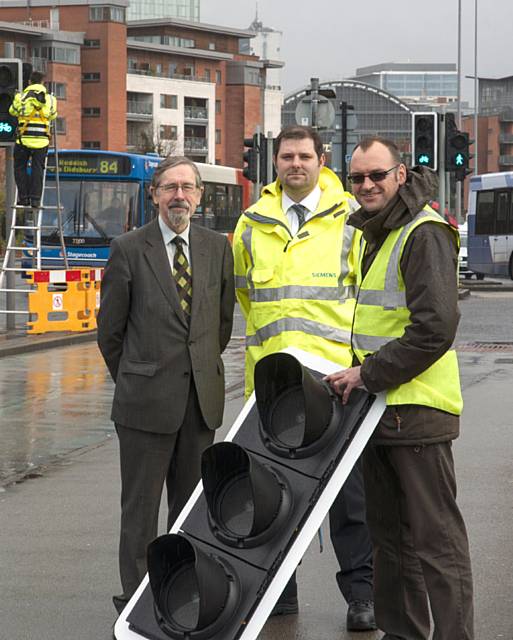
<point x="490" y="224"/>
<point x="104" y="194"/>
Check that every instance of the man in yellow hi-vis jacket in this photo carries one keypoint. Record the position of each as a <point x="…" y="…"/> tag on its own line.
<point x="295" y="262"/>
<point x="35" y="108"/>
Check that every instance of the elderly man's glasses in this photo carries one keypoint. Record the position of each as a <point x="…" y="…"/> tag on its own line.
<point x="173" y="188"/>
<point x="375" y="176"/>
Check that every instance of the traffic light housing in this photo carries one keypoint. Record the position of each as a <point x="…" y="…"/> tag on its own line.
<point x="266" y="490"/>
<point x="251" y="159"/>
<point x="425" y="139"/>
<point x="457" y="152"/>
<point x="10" y="83"/>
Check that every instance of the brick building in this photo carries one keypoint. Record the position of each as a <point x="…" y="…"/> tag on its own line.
<point x="173" y="84"/>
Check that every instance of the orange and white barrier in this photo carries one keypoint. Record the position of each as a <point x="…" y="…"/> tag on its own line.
<point x="64" y="300"/>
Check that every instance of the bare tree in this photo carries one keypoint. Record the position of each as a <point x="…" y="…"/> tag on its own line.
<point x="151" y="141"/>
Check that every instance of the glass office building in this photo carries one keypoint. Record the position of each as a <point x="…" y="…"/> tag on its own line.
<point x="146" y="9"/>
<point x="413" y="82"/>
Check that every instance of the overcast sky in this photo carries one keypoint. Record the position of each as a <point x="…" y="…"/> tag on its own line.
<point x="329" y="39"/>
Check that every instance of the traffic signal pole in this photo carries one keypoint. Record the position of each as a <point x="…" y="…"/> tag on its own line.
<point x="441" y="163"/>
<point x="10" y="276"/>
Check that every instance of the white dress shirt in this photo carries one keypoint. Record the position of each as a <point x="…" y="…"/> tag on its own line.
<point x="311" y="202"/>
<point x="168" y="235"/>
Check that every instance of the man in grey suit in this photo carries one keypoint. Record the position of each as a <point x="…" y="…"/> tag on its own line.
<point x="165" y="317"/>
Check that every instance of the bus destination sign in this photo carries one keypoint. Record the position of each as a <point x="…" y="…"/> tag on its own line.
<point x="91" y="164"/>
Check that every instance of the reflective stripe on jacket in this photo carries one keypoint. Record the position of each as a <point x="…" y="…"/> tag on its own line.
<point x="381" y="315"/>
<point x="297" y="291"/>
<point x="34" y="108"/>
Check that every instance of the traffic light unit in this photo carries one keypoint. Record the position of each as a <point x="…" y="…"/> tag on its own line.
<point x="266" y="490"/>
<point x="11" y="78"/>
<point x="256" y="159"/>
<point x="425" y="139"/>
<point x="457" y="149"/>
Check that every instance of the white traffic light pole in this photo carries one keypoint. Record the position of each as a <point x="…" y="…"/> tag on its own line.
<point x="441" y="163"/>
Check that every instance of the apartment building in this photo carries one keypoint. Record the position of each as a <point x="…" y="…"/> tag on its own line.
<point x="169" y="84"/>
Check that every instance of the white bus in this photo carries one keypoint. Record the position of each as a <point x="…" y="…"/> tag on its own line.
<point x="490" y="224"/>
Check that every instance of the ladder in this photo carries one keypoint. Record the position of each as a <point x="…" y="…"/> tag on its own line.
<point x="29" y="222"/>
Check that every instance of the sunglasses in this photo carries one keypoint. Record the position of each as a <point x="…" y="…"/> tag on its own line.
<point x="375" y="176"/>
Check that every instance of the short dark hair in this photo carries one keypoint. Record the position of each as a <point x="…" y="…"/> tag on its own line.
<point x="175" y="161"/>
<point x="36" y="77"/>
<point x="298" y="132"/>
<point x="366" y="143"/>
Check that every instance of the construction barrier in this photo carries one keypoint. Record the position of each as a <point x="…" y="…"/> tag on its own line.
<point x="64" y="300"/>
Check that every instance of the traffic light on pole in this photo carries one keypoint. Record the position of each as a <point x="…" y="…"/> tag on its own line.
<point x="457" y="153"/>
<point x="251" y="158"/>
<point x="425" y="139"/>
<point x="266" y="490"/>
<point x="10" y="83"/>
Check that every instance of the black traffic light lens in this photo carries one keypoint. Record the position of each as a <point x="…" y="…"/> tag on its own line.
<point x="236" y="506"/>
<point x="288" y="418"/>
<point x="246" y="499"/>
<point x="296" y="409"/>
<point x="181" y="598"/>
<point x="194" y="592"/>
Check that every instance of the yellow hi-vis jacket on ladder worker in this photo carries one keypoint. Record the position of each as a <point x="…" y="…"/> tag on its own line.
<point x="297" y="291"/>
<point x="34" y="108"/>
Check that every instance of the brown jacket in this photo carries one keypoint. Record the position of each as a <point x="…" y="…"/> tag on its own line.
<point x="428" y="266"/>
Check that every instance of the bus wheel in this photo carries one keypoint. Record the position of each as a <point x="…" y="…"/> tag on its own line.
<point x="480" y="276"/>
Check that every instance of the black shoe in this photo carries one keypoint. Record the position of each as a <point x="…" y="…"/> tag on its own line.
<point x="360" y="616"/>
<point x="285" y="607"/>
<point x="120" y="603"/>
<point x="23" y="202"/>
<point x="35" y="203"/>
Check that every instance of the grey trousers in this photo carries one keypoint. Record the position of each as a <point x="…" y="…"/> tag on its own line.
<point x="420" y="545"/>
<point x="147" y="461"/>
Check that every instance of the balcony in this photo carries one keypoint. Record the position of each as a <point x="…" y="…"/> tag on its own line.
<point x="506" y="161"/>
<point x="195" y="145"/>
<point x="136" y="110"/>
<point x="506" y="138"/>
<point x="506" y="116"/>
<point x="171" y="76"/>
<point x="195" y="113"/>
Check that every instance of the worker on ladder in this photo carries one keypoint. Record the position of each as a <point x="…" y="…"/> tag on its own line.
<point x="35" y="108"/>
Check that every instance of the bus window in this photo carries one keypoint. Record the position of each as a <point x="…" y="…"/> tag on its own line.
<point x="234" y="200"/>
<point x="485" y="213"/>
<point x="501" y="221"/>
<point x="150" y="210"/>
<point x="510" y="217"/>
<point x="221" y="208"/>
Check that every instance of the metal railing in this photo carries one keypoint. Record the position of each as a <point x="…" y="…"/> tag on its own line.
<point x="506" y="138"/>
<point x="506" y="160"/>
<point x="140" y="108"/>
<point x="195" y="144"/>
<point x="172" y="76"/>
<point x="196" y="113"/>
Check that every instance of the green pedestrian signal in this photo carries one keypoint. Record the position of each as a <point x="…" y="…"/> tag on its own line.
<point x="457" y="153"/>
<point x="458" y="161"/>
<point x="424" y="159"/>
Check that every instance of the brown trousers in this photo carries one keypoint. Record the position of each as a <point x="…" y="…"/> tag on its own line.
<point x="420" y="545"/>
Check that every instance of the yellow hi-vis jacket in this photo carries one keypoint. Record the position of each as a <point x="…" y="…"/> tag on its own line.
<point x="297" y="291"/>
<point x="381" y="315"/>
<point x="34" y="108"/>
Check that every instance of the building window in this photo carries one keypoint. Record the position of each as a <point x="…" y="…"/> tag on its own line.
<point x="158" y="69"/>
<point x="60" y="126"/>
<point x="58" y="89"/>
<point x="212" y="46"/>
<point x="107" y="14"/>
<point x="93" y="76"/>
<point x="91" y="112"/>
<point x="66" y="55"/>
<point x="218" y="136"/>
<point x="218" y="77"/>
<point x="20" y="51"/>
<point x="90" y="144"/>
<point x="207" y="75"/>
<point x="218" y="106"/>
<point x="168" y="132"/>
<point x="91" y="44"/>
<point x="168" y="101"/>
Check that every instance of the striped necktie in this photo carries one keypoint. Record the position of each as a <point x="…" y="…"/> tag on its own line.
<point x="301" y="213"/>
<point x="183" y="277"/>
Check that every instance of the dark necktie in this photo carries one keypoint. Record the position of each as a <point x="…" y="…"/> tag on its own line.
<point x="183" y="277"/>
<point x="301" y="213"/>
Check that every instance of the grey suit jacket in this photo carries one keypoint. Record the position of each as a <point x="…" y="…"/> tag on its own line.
<point x="151" y="354"/>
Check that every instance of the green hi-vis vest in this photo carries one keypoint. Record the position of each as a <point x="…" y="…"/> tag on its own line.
<point x="381" y="315"/>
